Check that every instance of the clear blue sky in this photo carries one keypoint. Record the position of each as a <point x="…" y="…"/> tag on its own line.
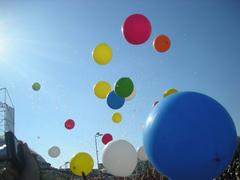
<point x="51" y="42"/>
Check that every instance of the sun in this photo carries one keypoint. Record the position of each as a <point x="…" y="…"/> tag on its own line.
<point x="4" y="44"/>
<point x="4" y="47"/>
<point x="4" y="40"/>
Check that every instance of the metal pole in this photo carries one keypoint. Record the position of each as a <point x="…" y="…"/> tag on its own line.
<point x="96" y="150"/>
<point x="5" y="95"/>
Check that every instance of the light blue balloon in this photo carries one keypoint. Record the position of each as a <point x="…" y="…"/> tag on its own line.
<point x="190" y="136"/>
<point x="114" y="101"/>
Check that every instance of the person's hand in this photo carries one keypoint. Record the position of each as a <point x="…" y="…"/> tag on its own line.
<point x="31" y="170"/>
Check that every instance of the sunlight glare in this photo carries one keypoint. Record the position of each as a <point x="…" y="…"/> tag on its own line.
<point x="4" y="45"/>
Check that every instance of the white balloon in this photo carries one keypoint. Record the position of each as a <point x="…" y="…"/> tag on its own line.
<point x="131" y="96"/>
<point x="141" y="154"/>
<point x="119" y="158"/>
<point x="54" y="151"/>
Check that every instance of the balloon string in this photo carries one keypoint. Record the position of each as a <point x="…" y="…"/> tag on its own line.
<point x="84" y="176"/>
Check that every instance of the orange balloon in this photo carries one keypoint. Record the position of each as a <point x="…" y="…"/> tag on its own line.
<point x="161" y="43"/>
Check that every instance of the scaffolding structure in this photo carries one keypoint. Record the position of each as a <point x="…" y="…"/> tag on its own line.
<point x="7" y="112"/>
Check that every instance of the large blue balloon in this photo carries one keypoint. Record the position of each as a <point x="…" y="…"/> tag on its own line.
<point x="190" y="136"/>
<point x="114" y="101"/>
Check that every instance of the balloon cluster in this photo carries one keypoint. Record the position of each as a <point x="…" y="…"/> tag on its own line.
<point x="123" y="91"/>
<point x="123" y="88"/>
<point x="186" y="128"/>
<point x="136" y="29"/>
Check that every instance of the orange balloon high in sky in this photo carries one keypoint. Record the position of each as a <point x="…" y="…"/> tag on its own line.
<point x="161" y="43"/>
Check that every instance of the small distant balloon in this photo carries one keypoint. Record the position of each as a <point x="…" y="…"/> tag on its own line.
<point x="102" y="54"/>
<point x="81" y="163"/>
<point x="107" y="138"/>
<point x="132" y="95"/>
<point x="69" y="124"/>
<point x="169" y="92"/>
<point x="116" y="117"/>
<point x="102" y="89"/>
<point x="54" y="151"/>
<point x="136" y="29"/>
<point x="36" y="86"/>
<point x="114" y="101"/>
<point x="124" y="87"/>
<point x="155" y="103"/>
<point x="161" y="43"/>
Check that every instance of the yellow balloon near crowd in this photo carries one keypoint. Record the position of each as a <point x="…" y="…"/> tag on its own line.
<point x="102" y="89"/>
<point x="169" y="92"/>
<point x="102" y="54"/>
<point x="81" y="163"/>
<point x="116" y="117"/>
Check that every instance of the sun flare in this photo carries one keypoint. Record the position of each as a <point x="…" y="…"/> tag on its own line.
<point x="4" y="45"/>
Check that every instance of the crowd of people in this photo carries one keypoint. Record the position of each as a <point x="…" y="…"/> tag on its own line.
<point x="232" y="172"/>
<point x="149" y="174"/>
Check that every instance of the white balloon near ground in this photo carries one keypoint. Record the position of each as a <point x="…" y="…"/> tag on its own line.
<point x="54" y="151"/>
<point x="141" y="154"/>
<point x="119" y="158"/>
<point x="132" y="95"/>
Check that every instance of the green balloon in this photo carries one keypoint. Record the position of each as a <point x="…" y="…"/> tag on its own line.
<point x="36" y="86"/>
<point x="124" y="87"/>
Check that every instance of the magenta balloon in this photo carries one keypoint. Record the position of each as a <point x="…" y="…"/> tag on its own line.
<point x="69" y="124"/>
<point x="136" y="29"/>
<point x="107" y="138"/>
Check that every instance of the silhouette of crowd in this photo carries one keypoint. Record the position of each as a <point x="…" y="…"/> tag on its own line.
<point x="232" y="172"/>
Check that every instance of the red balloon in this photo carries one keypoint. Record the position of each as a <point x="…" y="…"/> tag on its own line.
<point x="107" y="138"/>
<point x="69" y="124"/>
<point x="136" y="29"/>
<point x="155" y="103"/>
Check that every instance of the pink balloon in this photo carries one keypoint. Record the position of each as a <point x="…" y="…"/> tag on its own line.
<point x="136" y="29"/>
<point x="107" y="138"/>
<point x="69" y="124"/>
<point x="155" y="103"/>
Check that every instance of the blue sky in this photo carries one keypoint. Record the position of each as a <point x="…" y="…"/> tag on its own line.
<point x="51" y="42"/>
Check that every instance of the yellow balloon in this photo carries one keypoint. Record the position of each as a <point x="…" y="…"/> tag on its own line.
<point x="169" y="92"/>
<point x="81" y="163"/>
<point x="116" y="117"/>
<point x="102" y="54"/>
<point x="102" y="89"/>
